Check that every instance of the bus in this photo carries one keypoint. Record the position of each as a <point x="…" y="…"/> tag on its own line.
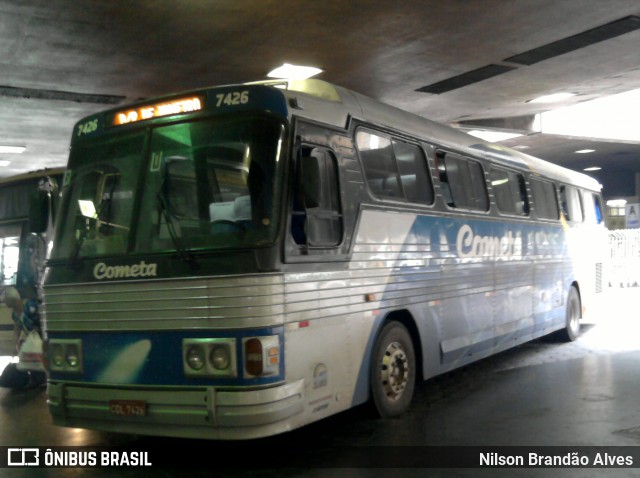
<point x="240" y="261"/>
<point x="26" y="204"/>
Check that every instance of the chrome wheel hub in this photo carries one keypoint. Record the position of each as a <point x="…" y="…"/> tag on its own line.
<point x="395" y="371"/>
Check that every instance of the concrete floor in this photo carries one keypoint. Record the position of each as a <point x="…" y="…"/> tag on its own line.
<point x="543" y="393"/>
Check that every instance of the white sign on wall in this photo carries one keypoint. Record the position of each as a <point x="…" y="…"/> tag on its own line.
<point x="633" y="216"/>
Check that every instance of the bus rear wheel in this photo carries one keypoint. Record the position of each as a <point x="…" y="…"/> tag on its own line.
<point x="573" y="315"/>
<point x="393" y="370"/>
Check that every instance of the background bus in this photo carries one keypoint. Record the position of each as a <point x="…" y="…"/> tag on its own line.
<point x="240" y="261"/>
<point x="22" y="254"/>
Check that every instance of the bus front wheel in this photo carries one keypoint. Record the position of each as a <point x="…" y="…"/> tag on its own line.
<point x="573" y="315"/>
<point x="393" y="370"/>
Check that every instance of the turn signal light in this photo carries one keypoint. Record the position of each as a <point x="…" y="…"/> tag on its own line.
<point x="253" y="357"/>
<point x="262" y="356"/>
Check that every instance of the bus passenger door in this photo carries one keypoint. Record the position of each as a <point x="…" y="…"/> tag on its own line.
<point x="316" y="217"/>
<point x="316" y="253"/>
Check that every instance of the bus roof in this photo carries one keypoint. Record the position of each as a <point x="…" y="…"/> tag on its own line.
<point x="357" y="106"/>
<point x="337" y="106"/>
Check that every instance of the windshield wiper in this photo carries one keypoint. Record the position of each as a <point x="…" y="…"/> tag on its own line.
<point x="75" y="258"/>
<point x="183" y="252"/>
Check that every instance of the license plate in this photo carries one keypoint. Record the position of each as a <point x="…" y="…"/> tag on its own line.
<point x="128" y="408"/>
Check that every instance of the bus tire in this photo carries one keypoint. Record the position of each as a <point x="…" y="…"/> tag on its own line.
<point x="573" y="315"/>
<point x="393" y="370"/>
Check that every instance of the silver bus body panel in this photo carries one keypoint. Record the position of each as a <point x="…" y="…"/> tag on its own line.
<point x="195" y="303"/>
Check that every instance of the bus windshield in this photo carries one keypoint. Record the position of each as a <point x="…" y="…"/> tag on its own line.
<point x="210" y="184"/>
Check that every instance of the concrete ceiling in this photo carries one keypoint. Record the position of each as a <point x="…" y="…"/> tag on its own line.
<point x="63" y="59"/>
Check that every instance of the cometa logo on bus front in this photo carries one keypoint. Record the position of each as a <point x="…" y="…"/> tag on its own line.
<point x="103" y="271"/>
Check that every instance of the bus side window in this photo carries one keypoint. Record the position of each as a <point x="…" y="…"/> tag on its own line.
<point x="465" y="180"/>
<point x="571" y="204"/>
<point x="414" y="173"/>
<point x="394" y="169"/>
<point x="598" y="209"/>
<point x="544" y="199"/>
<point x="316" y="212"/>
<point x="510" y="192"/>
<point x="524" y="198"/>
<point x="592" y="208"/>
<point x="445" y="190"/>
<point x="379" y="165"/>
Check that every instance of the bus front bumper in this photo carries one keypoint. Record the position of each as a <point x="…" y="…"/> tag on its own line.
<point x="193" y="413"/>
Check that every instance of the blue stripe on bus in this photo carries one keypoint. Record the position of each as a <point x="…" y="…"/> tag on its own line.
<point x="154" y="358"/>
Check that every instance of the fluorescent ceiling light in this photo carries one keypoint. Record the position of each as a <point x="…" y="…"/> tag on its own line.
<point x="294" y="72"/>
<point x="87" y="208"/>
<point x="500" y="182"/>
<point x="593" y="168"/>
<point x="613" y="117"/>
<point x="521" y="146"/>
<point x="617" y="202"/>
<point x="551" y="98"/>
<point x="12" y="149"/>
<point x="585" y="151"/>
<point x="492" y="136"/>
<point x="4" y="162"/>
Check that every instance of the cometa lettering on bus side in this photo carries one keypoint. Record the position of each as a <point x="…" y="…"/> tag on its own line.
<point x="103" y="271"/>
<point x="474" y="245"/>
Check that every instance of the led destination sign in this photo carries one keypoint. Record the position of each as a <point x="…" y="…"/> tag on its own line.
<point x="166" y="108"/>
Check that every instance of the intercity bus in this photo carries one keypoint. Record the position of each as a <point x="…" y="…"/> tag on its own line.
<point x="239" y="261"/>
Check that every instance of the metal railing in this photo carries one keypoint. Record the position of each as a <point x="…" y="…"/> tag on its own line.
<point x="624" y="259"/>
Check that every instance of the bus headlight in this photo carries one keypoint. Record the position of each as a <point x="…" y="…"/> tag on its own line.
<point x="220" y="357"/>
<point x="195" y="358"/>
<point x="72" y="355"/>
<point x="57" y="356"/>
<point x="65" y="355"/>
<point x="210" y="357"/>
